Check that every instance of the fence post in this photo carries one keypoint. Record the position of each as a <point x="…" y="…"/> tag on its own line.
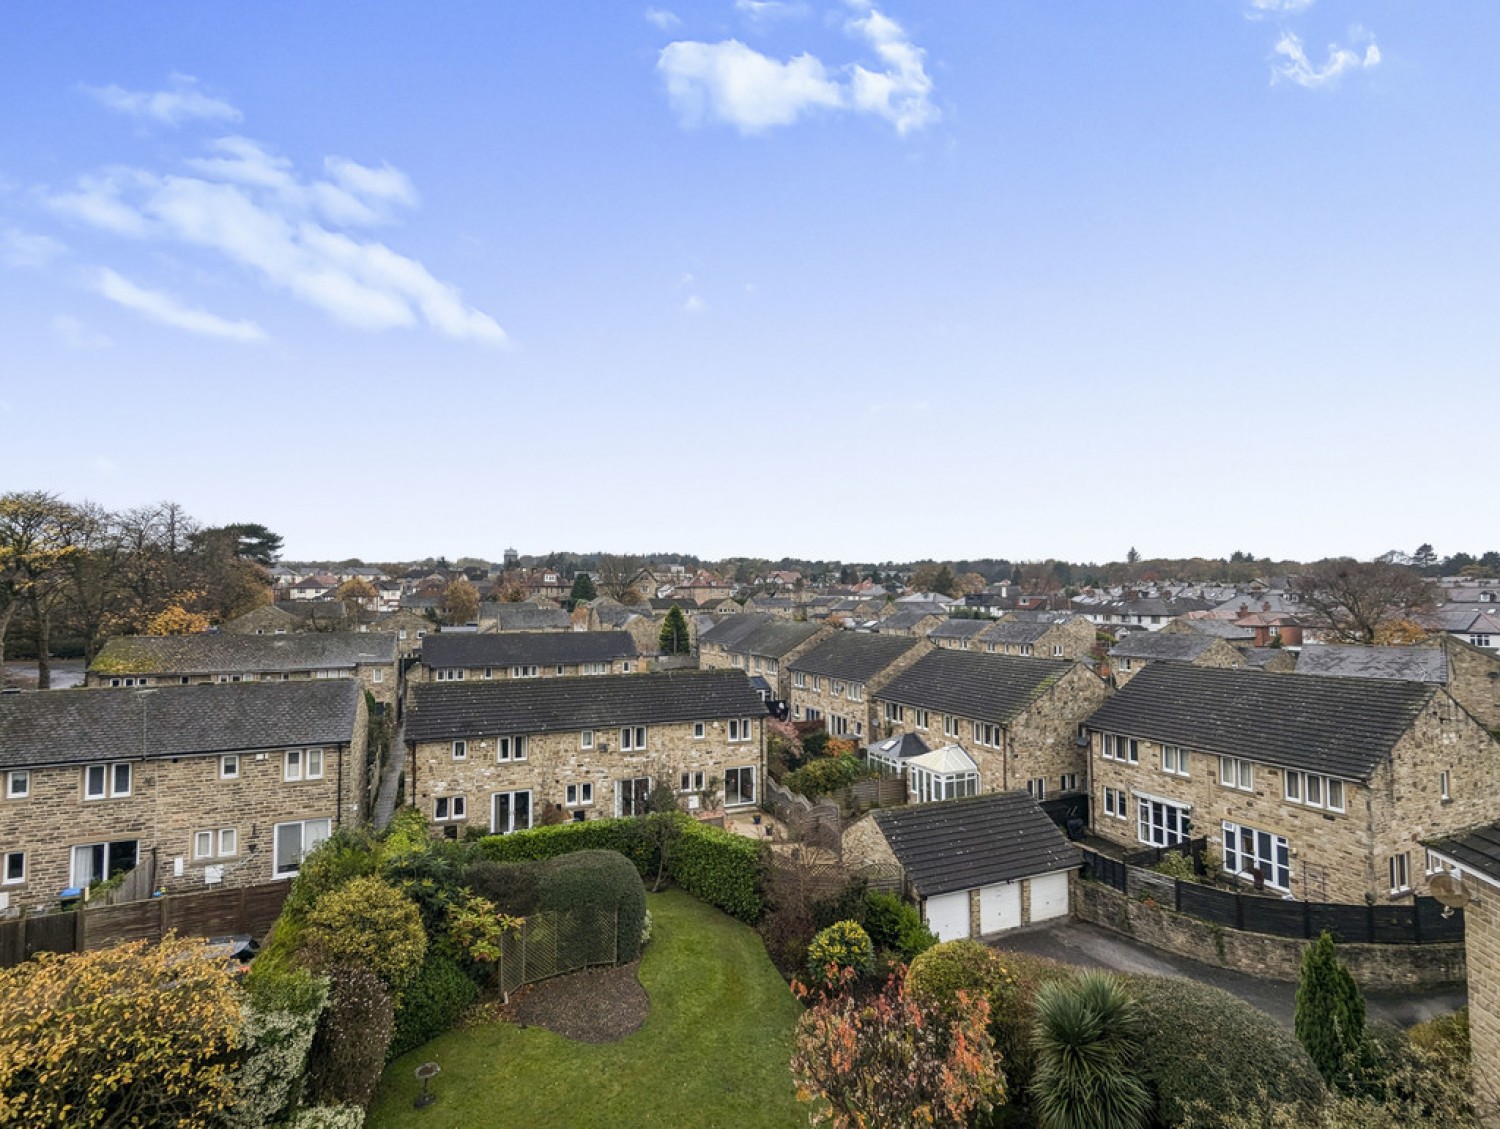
<point x="80" y="928"/>
<point x="164" y="918"/>
<point x="1239" y="911"/>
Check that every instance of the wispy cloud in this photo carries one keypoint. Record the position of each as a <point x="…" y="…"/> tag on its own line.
<point x="1294" y="65"/>
<point x="75" y="335"/>
<point x="25" y="249"/>
<point x="735" y="84"/>
<point x="250" y="206"/>
<point x="768" y="11"/>
<point x="161" y="307"/>
<point x="1260" y="9"/>
<point x="662" y="18"/>
<point x="694" y="305"/>
<point x="184" y="102"/>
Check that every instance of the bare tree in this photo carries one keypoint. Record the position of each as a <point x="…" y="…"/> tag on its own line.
<point x="1352" y="600"/>
<point x="617" y="577"/>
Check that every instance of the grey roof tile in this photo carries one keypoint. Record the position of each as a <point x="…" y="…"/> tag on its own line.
<point x="756" y="633"/>
<point x="1477" y="850"/>
<point x="543" y="648"/>
<point x="1402" y="664"/>
<point x="228" y="653"/>
<point x="988" y="687"/>
<point x="1160" y="646"/>
<point x="854" y="656"/>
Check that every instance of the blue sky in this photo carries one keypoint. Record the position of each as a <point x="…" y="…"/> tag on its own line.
<point x="848" y="279"/>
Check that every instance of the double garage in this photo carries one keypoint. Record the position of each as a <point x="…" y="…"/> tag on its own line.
<point x="981" y="865"/>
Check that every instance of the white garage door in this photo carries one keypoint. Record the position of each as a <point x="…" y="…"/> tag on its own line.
<point x="1049" y="896"/>
<point x="999" y="907"/>
<point x="948" y="916"/>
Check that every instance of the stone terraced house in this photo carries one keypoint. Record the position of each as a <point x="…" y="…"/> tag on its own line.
<point x="1316" y="788"/>
<point x="223" y="784"/>
<point x="761" y="645"/>
<point x="591" y="747"/>
<point x="1071" y="637"/>
<point x="464" y="656"/>
<point x="1470" y="674"/>
<point x="1141" y="649"/>
<point x="835" y="682"/>
<point x="214" y="657"/>
<point x="1016" y="719"/>
<point x="958" y="634"/>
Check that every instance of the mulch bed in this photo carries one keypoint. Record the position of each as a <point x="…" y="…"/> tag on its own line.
<point x="598" y="1005"/>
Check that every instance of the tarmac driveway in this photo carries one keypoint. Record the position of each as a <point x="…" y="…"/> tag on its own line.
<point x="1091" y="947"/>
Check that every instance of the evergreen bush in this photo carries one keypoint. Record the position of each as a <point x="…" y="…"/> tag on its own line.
<point x="433" y="1003"/>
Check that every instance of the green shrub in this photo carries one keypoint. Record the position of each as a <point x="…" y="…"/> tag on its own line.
<point x="848" y="904"/>
<point x="328" y="1117"/>
<point x="820" y="776"/>
<point x="605" y="898"/>
<point x="348" y="1051"/>
<point x="511" y="887"/>
<point x="1176" y="865"/>
<point x="1087" y="1033"/>
<point x="281" y="1016"/>
<point x="433" y="1003"/>
<point x="1208" y="1049"/>
<point x="366" y="923"/>
<point x="347" y="853"/>
<point x="623" y="835"/>
<point x="1012" y="1017"/>
<point x="843" y="945"/>
<point x="814" y="743"/>
<point x="896" y="925"/>
<point x="1446" y="1035"/>
<point x="939" y="974"/>
<point x="1330" y="1019"/>
<point x="721" y="868"/>
<point x="406" y="834"/>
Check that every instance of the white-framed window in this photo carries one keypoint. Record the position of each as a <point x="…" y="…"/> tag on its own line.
<point x="627" y="667"/>
<point x="1160" y="823"/>
<point x="1116" y="748"/>
<point x="919" y="718"/>
<point x="294" y="841"/>
<point x="632" y="739"/>
<point x="1057" y="650"/>
<point x="106" y="781"/>
<point x="1400" y="868"/>
<point x="510" y="811"/>
<point x="1116" y="803"/>
<point x="223" y="843"/>
<point x="737" y="660"/>
<point x="632" y="794"/>
<point x="401" y="634"/>
<point x="1236" y="772"/>
<point x="94" y="862"/>
<point x="739" y="786"/>
<point x="203" y="845"/>
<point x="17" y="784"/>
<point x="1174" y="759"/>
<point x="14" y="872"/>
<point x="895" y="712"/>
<point x="1444" y="780"/>
<point x="528" y="670"/>
<point x="1479" y="640"/>
<point x="1247" y="850"/>
<point x="448" y="674"/>
<point x="950" y="725"/>
<point x="229" y="842"/>
<point x="739" y="729"/>
<point x="580" y="795"/>
<point x="799" y="680"/>
<point x="586" y="739"/>
<point x="377" y="674"/>
<point x="1434" y="864"/>
<point x="460" y="750"/>
<point x="837" y="688"/>
<point x="1026" y="650"/>
<point x="303" y="764"/>
<point x="987" y="733"/>
<point x="559" y="670"/>
<point x="138" y="681"/>
<point x="447" y="808"/>
<point x="1312" y="790"/>
<point x="594" y="668"/>
<point x="1037" y="789"/>
<point x="690" y="782"/>
<point x="927" y="786"/>
<point x="1068" y="782"/>
<point x="510" y="748"/>
<point x="229" y="766"/>
<point x="700" y="731"/>
<point x="856" y="692"/>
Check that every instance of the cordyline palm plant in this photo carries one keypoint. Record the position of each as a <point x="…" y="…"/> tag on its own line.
<point x="1085" y="1036"/>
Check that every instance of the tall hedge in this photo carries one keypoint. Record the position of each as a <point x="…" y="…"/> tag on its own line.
<point x="433" y="1004"/>
<point x="604" y="894"/>
<point x="623" y="835"/>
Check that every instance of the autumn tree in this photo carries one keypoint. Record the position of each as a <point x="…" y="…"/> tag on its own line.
<point x="38" y="534"/>
<point x="674" y="638"/>
<point x="1352" y="600"/>
<point x="177" y="620"/>
<point x="617" y="577"/>
<point x="357" y="592"/>
<point x="968" y="584"/>
<point x="460" y="603"/>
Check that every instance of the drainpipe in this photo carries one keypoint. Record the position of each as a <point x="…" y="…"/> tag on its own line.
<point x="338" y="818"/>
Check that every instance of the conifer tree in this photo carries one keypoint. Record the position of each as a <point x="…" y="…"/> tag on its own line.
<point x="1330" y="1019"/>
<point x="674" y="638"/>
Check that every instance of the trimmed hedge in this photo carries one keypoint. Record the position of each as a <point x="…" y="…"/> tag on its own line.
<point x="432" y="1004"/>
<point x="623" y="835"/>
<point x="605" y="894"/>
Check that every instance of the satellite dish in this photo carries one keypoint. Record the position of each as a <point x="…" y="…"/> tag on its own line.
<point x="1449" y="890"/>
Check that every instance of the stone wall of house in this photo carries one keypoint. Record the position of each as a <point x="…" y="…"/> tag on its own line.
<point x="171" y="800"/>
<point x="421" y="672"/>
<point x="1482" y="948"/>
<point x="1474" y="681"/>
<point x="1375" y="967"/>
<point x="865" y="845"/>
<point x="556" y="760"/>
<point x="1044" y="737"/>
<point x="381" y="680"/>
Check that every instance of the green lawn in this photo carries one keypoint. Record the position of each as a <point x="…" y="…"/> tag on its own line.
<point x="714" y="1051"/>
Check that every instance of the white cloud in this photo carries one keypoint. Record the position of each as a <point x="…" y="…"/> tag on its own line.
<point x="167" y="310"/>
<point x="251" y="207"/>
<point x="24" y="249"/>
<point x="1259" y="9"/>
<point x="1296" y="67"/>
<point x="694" y="305"/>
<point x="662" y="18"/>
<point x="185" y="102"/>
<point x="732" y="83"/>
<point x="75" y="335"/>
<point x="766" y="11"/>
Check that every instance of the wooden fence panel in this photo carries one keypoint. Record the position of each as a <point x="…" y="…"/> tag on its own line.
<point x="12" y="942"/>
<point x="1347" y="924"/>
<point x="1218" y="906"/>
<point x="1274" y="916"/>
<point x="116" y="925"/>
<point x="51" y="933"/>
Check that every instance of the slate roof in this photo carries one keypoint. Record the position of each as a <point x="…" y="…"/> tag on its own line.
<point x="78" y="726"/>
<point x="1159" y="646"/>
<point x="1476" y="851"/>
<point x="1258" y="657"/>
<point x="1339" y="726"/>
<point x="854" y="656"/>
<point x="1225" y="629"/>
<point x="228" y="653"/>
<point x="756" y="633"/>
<point x="1015" y="631"/>
<point x="956" y="845"/>
<point x="958" y="628"/>
<point x="903" y="619"/>
<point x="1404" y="664"/>
<point x="524" y="617"/>
<point x="544" y="648"/>
<point x="616" y="615"/>
<point x="903" y="746"/>
<point x="443" y="710"/>
<point x="988" y="687"/>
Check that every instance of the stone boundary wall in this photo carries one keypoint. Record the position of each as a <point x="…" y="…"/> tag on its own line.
<point x="1375" y="968"/>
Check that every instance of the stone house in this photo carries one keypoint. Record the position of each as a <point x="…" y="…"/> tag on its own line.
<point x="589" y="748"/>
<point x="166" y="660"/>
<point x="1317" y="788"/>
<point x="1069" y="637"/>
<point x="759" y="644"/>
<point x="1474" y="857"/>
<point x="836" y="680"/>
<point x="468" y="657"/>
<point x="958" y="634"/>
<point x="526" y="616"/>
<point x="1017" y="719"/>
<point x="223" y="784"/>
<point x="975" y="867"/>
<point x="408" y="626"/>
<point x="914" y="623"/>
<point x="1142" y="649"/>
<point x="1470" y="674"/>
